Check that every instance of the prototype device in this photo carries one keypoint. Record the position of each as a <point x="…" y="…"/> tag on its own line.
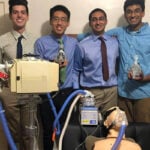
<point x="28" y="77"/>
<point x="34" y="76"/>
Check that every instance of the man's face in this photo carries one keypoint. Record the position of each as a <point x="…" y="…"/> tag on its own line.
<point x="59" y="23"/>
<point x="98" y="22"/>
<point x="19" y="17"/>
<point x="134" y="15"/>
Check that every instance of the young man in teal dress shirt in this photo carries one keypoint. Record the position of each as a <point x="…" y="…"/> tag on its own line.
<point x="134" y="43"/>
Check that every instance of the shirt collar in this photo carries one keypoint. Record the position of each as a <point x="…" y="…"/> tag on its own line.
<point x="17" y="34"/>
<point x="95" y="37"/>
<point x="56" y="39"/>
<point x="138" y="31"/>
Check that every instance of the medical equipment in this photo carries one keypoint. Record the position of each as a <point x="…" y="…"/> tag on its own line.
<point x="29" y="77"/>
<point x="88" y="110"/>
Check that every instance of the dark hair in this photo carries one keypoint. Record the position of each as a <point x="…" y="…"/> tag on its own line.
<point x="134" y="2"/>
<point x="59" y="8"/>
<point x="18" y="2"/>
<point x="95" y="10"/>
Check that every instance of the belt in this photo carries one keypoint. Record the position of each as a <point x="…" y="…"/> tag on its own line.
<point x="96" y="87"/>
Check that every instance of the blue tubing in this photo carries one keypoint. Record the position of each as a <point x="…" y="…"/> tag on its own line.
<point x="54" y="111"/>
<point x="119" y="138"/>
<point x="65" y="104"/>
<point x="6" y="129"/>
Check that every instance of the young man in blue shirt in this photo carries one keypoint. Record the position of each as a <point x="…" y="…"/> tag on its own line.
<point x="88" y="72"/>
<point x="47" y="47"/>
<point x="134" y="43"/>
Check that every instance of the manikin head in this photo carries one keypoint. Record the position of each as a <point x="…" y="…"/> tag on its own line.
<point x="115" y="118"/>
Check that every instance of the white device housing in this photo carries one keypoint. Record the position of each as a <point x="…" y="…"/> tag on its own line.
<point x="34" y="76"/>
<point x="89" y="115"/>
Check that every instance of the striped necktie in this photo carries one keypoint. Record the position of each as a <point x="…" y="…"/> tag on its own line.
<point x="62" y="70"/>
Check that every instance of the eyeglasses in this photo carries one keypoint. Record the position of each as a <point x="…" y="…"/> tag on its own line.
<point x="57" y="19"/>
<point x="136" y="11"/>
<point x="94" y="19"/>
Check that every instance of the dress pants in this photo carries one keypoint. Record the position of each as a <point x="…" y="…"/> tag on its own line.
<point x="136" y="110"/>
<point x="105" y="97"/>
<point x="17" y="116"/>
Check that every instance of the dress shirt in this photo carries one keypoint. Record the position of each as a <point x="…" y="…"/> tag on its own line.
<point x="47" y="47"/>
<point x="131" y="44"/>
<point x="8" y="47"/>
<point x="88" y="62"/>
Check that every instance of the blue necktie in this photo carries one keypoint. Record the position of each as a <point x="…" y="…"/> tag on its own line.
<point x="19" y="47"/>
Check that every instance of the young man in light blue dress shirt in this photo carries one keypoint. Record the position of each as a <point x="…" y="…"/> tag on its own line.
<point x="47" y="47"/>
<point x="88" y="63"/>
<point x="134" y="41"/>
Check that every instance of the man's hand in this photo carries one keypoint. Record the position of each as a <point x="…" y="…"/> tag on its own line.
<point x="63" y="64"/>
<point x="137" y="78"/>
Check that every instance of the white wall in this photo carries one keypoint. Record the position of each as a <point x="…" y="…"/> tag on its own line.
<point x="80" y="9"/>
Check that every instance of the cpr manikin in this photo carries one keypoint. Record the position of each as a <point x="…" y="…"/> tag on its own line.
<point x="114" y="120"/>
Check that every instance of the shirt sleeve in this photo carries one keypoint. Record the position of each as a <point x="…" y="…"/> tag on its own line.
<point x="77" y="67"/>
<point x="113" y="32"/>
<point x="38" y="49"/>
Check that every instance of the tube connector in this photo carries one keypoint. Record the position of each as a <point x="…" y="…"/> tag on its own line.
<point x="88" y="99"/>
<point x="88" y="94"/>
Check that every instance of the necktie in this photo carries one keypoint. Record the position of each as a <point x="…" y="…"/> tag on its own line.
<point x="105" y="69"/>
<point x="19" y="47"/>
<point x="62" y="70"/>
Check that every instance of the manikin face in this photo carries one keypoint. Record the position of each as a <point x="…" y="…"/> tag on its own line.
<point x="98" y="22"/>
<point x="116" y="118"/>
<point x="19" y="17"/>
<point x="59" y="23"/>
<point x="134" y="15"/>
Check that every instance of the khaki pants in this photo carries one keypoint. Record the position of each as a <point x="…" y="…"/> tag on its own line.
<point x="17" y="116"/>
<point x="105" y="97"/>
<point x="136" y="110"/>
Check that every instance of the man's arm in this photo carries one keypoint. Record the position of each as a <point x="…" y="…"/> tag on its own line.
<point x="77" y="67"/>
<point x="38" y="49"/>
<point x="113" y="32"/>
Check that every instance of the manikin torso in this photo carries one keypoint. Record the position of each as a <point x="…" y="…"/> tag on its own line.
<point x="108" y="142"/>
